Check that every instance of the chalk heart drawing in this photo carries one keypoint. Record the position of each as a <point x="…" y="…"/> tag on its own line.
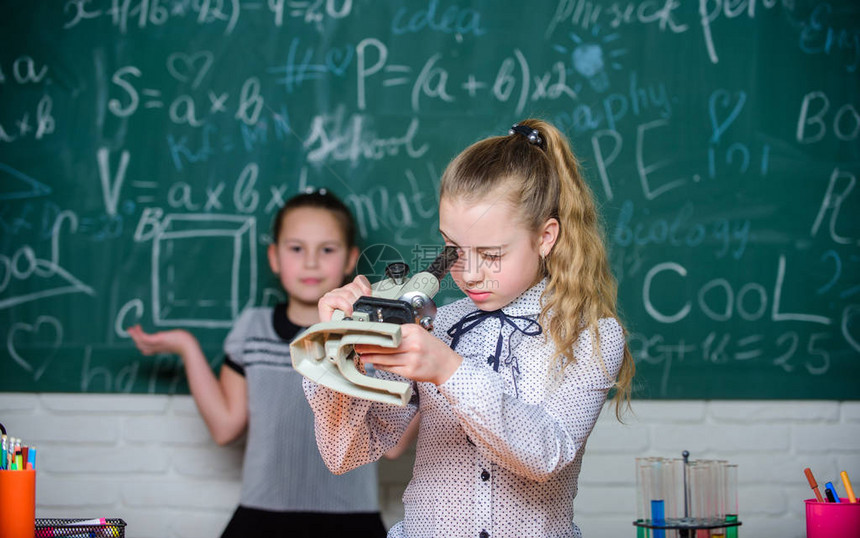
<point x="48" y="332"/>
<point x="722" y="101"/>
<point x="184" y="67"/>
<point x="339" y="59"/>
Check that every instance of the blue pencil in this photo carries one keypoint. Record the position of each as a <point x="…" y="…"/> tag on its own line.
<point x="31" y="458"/>
<point x="830" y="489"/>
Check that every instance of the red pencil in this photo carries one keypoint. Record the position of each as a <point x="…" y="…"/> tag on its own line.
<point x="813" y="484"/>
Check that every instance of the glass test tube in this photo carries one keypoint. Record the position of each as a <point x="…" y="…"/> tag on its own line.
<point x="698" y="475"/>
<point x="731" y="474"/>
<point x="657" y="497"/>
<point x="675" y="496"/>
<point x="718" y="496"/>
<point x="643" y="481"/>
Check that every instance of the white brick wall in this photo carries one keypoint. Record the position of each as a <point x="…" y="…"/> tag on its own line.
<point x="149" y="460"/>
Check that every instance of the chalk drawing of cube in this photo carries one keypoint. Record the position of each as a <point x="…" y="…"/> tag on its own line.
<point x="204" y="269"/>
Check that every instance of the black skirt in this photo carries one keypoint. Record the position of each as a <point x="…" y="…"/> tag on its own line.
<point x="252" y="522"/>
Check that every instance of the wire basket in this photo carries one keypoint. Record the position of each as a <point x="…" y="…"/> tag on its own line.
<point x="73" y="528"/>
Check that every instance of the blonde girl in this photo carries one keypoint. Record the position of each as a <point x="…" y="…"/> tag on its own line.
<point x="510" y="383"/>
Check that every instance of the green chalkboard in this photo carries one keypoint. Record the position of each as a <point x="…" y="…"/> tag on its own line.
<point x="145" y="144"/>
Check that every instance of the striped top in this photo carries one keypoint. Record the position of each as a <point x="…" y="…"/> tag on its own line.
<point x="283" y="470"/>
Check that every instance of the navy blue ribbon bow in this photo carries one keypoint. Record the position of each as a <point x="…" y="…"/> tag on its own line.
<point x="526" y="325"/>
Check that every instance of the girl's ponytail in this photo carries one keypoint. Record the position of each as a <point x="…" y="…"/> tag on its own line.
<point x="581" y="289"/>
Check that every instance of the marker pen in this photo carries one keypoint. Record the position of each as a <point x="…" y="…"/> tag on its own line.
<point x="813" y="484"/>
<point x="11" y="450"/>
<point x="831" y="490"/>
<point x="3" y="452"/>
<point x="31" y="458"/>
<point x="848" y="489"/>
<point x="18" y="463"/>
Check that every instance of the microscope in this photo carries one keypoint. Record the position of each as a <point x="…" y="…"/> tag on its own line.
<point x="325" y="353"/>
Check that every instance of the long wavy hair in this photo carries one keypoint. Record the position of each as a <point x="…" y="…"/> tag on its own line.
<point x="544" y="182"/>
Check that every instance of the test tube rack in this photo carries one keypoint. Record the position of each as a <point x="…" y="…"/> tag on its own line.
<point x="686" y="526"/>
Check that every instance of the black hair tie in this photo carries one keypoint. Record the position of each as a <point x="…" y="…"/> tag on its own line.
<point x="532" y="135"/>
<point x="318" y="192"/>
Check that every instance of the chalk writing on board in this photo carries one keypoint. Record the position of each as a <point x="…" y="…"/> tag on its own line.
<point x="35" y="120"/>
<point x="790" y="352"/>
<point x="143" y="13"/>
<point x="184" y="109"/>
<point x="98" y="375"/>
<point x="638" y="100"/>
<point x="25" y="70"/>
<point x="448" y="20"/>
<point x="129" y="314"/>
<point x="399" y="214"/>
<point x="335" y="138"/>
<point x="823" y="33"/>
<point x="724" y="236"/>
<point x="48" y="275"/>
<point x="111" y="187"/>
<point x="839" y="187"/>
<point x="294" y="72"/>
<point x="732" y="299"/>
<point x="816" y="120"/>
<point x="653" y="179"/>
<point x="45" y="124"/>
<point x="150" y="142"/>
<point x="17" y="184"/>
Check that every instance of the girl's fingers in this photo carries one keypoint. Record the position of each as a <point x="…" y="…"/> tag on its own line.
<point x="342" y="303"/>
<point x="362" y="349"/>
<point x="359" y="287"/>
<point x="381" y="362"/>
<point x="343" y="298"/>
<point x="140" y="338"/>
<point x="335" y="300"/>
<point x="363" y="285"/>
<point x="381" y="358"/>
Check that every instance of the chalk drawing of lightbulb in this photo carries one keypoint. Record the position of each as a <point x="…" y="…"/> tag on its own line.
<point x="592" y="58"/>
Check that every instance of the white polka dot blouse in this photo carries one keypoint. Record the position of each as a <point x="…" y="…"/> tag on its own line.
<point x="500" y="445"/>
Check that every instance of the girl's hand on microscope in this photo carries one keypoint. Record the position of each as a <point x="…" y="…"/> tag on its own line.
<point x="420" y="356"/>
<point x="343" y="298"/>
